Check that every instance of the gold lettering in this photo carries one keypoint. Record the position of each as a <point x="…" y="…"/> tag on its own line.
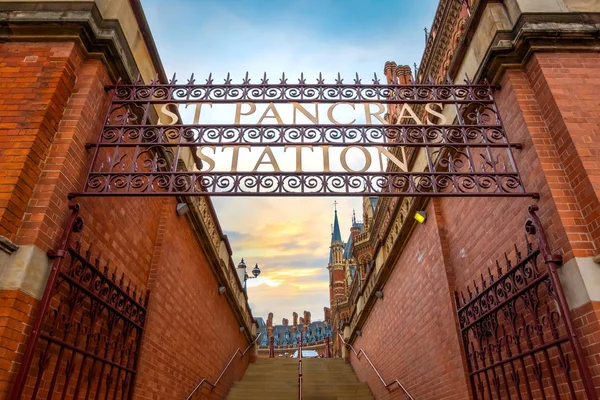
<point x="403" y="165"/>
<point x="267" y="152"/>
<point x="235" y="155"/>
<point x="239" y="113"/>
<point x="411" y="114"/>
<point x="429" y="109"/>
<point x="275" y="115"/>
<point x="326" y="158"/>
<point x="368" y="113"/>
<point x="298" y="154"/>
<point x="197" y="111"/>
<point x="165" y="110"/>
<point x="207" y="159"/>
<point x="330" y="113"/>
<point x="313" y="118"/>
<point x="345" y="162"/>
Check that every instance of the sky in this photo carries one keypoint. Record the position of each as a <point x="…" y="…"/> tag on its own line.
<point x="288" y="237"/>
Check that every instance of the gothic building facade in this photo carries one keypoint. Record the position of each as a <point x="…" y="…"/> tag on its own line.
<point x="315" y="334"/>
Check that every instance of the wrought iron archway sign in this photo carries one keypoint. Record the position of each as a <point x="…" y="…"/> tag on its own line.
<point x="455" y="130"/>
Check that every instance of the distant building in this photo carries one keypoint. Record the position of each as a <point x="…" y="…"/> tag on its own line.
<point x="286" y="336"/>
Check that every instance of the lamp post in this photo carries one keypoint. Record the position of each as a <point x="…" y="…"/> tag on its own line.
<point x="242" y="268"/>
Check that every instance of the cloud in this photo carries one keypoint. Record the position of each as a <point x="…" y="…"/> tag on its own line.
<point x="288" y="237"/>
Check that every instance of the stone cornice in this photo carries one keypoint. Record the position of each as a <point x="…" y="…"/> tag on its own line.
<point x="533" y="32"/>
<point x="80" y="22"/>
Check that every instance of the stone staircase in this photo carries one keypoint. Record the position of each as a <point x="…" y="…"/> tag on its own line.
<point x="277" y="379"/>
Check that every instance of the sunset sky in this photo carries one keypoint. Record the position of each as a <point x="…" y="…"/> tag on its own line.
<point x="288" y="237"/>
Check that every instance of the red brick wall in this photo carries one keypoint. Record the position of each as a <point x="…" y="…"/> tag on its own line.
<point x="566" y="86"/>
<point x="551" y="107"/>
<point x="36" y="80"/>
<point x="43" y="159"/>
<point x="411" y="332"/>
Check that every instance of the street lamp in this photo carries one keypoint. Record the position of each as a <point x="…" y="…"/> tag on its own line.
<point x="255" y="271"/>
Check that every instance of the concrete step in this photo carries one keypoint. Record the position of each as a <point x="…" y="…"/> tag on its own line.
<point x="277" y="379"/>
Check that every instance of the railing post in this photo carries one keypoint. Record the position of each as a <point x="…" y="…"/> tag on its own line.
<point x="74" y="224"/>
<point x="534" y="226"/>
<point x="271" y="347"/>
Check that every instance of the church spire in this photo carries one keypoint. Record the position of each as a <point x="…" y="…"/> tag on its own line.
<point x="337" y="236"/>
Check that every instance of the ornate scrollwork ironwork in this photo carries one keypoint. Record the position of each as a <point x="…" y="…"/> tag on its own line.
<point x="136" y="155"/>
<point x="513" y="334"/>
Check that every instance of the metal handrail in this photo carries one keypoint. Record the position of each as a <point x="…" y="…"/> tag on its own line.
<point x="300" y="377"/>
<point x="212" y="385"/>
<point x="387" y="385"/>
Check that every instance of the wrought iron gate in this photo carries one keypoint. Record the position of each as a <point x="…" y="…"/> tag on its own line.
<point x="517" y="332"/>
<point x="86" y="336"/>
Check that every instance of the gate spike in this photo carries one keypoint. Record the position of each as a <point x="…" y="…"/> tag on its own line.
<point x="228" y="79"/>
<point x="470" y="294"/>
<point x="375" y="79"/>
<point x="357" y="79"/>
<point x="483" y="283"/>
<point x="121" y="280"/>
<point x="114" y="275"/>
<point x="173" y="79"/>
<point x="476" y="288"/>
<point x="463" y="298"/>
<point x="283" y="80"/>
<point x="498" y="269"/>
<point x="191" y="80"/>
<point x="302" y="81"/>
<point x="246" y="79"/>
<point x="97" y="261"/>
<point x="264" y="79"/>
<point x="491" y="275"/>
<point x="154" y="80"/>
<point x="106" y="267"/>
<point x="448" y="79"/>
<point x="517" y="253"/>
<point x="508" y="262"/>
<point x="209" y="81"/>
<point x="320" y="80"/>
<point x="339" y="79"/>
<point x="467" y="79"/>
<point x="137" y="79"/>
<point x="127" y="288"/>
<point x="88" y="253"/>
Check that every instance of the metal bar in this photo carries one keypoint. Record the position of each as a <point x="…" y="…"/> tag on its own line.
<point x="212" y="385"/>
<point x="387" y="385"/>
<point x="553" y="261"/>
<point x="100" y="300"/>
<point x="302" y="86"/>
<point x="147" y="145"/>
<point x="306" y="194"/>
<point x="290" y="173"/>
<point x="309" y="100"/>
<point x="538" y="349"/>
<point x="74" y="224"/>
<point x="300" y="364"/>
